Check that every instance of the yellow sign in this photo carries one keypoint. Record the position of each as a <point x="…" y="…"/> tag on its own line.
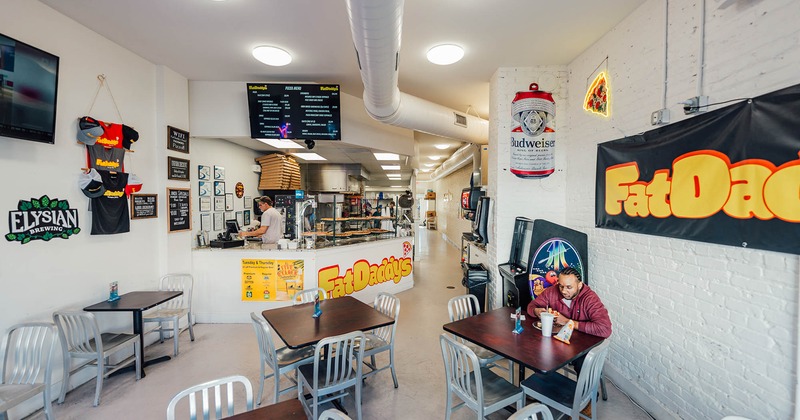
<point x="271" y="280"/>
<point x="598" y="96"/>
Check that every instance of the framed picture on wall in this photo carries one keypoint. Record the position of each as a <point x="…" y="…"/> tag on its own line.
<point x="219" y="187"/>
<point x="219" y="203"/>
<point x="203" y="172"/>
<point x="205" y="221"/>
<point x="204" y="188"/>
<point x="229" y="215"/>
<point x="246" y="217"/>
<point x="219" y="222"/>
<point x="247" y="201"/>
<point x="229" y="201"/>
<point x="205" y="203"/>
<point x="219" y="173"/>
<point x="240" y="218"/>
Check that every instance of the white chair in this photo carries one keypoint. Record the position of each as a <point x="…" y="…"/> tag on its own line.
<point x="336" y="367"/>
<point x="221" y="399"/>
<point x="465" y="306"/>
<point x="333" y="414"/>
<point x="169" y="313"/>
<point x="479" y="388"/>
<point x="564" y="394"/>
<point x="281" y="361"/>
<point x="382" y="339"/>
<point x="535" y="411"/>
<point x="29" y="350"/>
<point x="81" y="339"/>
<point x="308" y="296"/>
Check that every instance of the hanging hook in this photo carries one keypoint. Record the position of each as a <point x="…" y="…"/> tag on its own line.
<point x="101" y="78"/>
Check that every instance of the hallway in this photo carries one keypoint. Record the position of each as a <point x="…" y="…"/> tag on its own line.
<point x="226" y="349"/>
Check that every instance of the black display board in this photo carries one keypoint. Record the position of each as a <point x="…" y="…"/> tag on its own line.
<point x="180" y="209"/>
<point x="177" y="139"/>
<point x="294" y="111"/>
<point x="144" y="206"/>
<point x="177" y="168"/>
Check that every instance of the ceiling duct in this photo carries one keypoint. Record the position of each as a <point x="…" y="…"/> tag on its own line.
<point x="462" y="156"/>
<point x="376" y="27"/>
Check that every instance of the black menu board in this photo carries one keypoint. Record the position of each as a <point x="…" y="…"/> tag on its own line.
<point x="179" y="208"/>
<point x="144" y="206"/>
<point x="294" y="111"/>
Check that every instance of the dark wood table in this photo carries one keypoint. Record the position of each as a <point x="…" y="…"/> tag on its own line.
<point x="289" y="410"/>
<point x="493" y="330"/>
<point x="136" y="303"/>
<point x="297" y="328"/>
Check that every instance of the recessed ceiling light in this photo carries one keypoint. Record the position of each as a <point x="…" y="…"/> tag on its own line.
<point x="386" y="156"/>
<point x="434" y="157"/>
<point x="445" y="54"/>
<point x="425" y="170"/>
<point x="430" y="164"/>
<point x="281" y="144"/>
<point x="309" y="156"/>
<point x="272" y="56"/>
<point x="390" y="167"/>
<point x="442" y="146"/>
<point x="395" y="186"/>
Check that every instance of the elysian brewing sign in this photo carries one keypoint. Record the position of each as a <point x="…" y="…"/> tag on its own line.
<point x="43" y="218"/>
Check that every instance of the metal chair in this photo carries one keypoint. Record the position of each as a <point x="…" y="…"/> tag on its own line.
<point x="535" y="411"/>
<point x="382" y="339"/>
<point x="333" y="414"/>
<point x="221" y="399"/>
<point x="465" y="306"/>
<point x="281" y="361"/>
<point x="479" y="388"/>
<point x="566" y="395"/>
<point x="308" y="296"/>
<point x="169" y="313"/>
<point x="332" y="372"/>
<point x="81" y="339"/>
<point x="29" y="348"/>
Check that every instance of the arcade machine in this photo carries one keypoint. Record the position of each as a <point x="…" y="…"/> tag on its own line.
<point x="549" y="248"/>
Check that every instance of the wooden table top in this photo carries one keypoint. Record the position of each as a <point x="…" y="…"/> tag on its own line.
<point x="289" y="409"/>
<point x="297" y="328"/>
<point x="493" y="330"/>
<point x="135" y="301"/>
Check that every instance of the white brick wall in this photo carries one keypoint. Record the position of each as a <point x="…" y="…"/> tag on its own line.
<point x="701" y="331"/>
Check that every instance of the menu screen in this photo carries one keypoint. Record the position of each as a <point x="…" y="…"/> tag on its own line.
<point x="294" y="111"/>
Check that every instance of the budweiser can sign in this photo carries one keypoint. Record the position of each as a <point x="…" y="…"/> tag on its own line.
<point x="533" y="139"/>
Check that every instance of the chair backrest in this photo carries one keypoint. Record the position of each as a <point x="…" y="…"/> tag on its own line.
<point x="338" y="354"/>
<point x="535" y="411"/>
<point x="307" y="296"/>
<point x="389" y="305"/>
<point x="333" y="414"/>
<point x="463" y="306"/>
<point x="78" y="332"/>
<point x="29" y="349"/>
<point x="461" y="365"/>
<point x="266" y="347"/>
<point x="221" y="400"/>
<point x="178" y="281"/>
<point x="591" y="372"/>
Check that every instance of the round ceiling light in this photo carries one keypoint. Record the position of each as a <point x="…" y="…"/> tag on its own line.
<point x="272" y="56"/>
<point x="442" y="146"/>
<point x="445" y="54"/>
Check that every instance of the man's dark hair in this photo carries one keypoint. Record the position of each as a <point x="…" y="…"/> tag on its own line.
<point x="569" y="271"/>
<point x="265" y="199"/>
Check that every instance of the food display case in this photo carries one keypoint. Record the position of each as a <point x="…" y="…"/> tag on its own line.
<point x="330" y="228"/>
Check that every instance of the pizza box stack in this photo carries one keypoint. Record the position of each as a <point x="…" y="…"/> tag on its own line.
<point x="279" y="172"/>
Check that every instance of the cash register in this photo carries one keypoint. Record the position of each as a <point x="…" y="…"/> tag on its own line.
<point x="226" y="239"/>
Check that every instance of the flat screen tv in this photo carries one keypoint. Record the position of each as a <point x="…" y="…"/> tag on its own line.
<point x="294" y="111"/>
<point x="28" y="88"/>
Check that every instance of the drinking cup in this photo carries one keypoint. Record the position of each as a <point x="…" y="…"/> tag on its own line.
<point x="547" y="323"/>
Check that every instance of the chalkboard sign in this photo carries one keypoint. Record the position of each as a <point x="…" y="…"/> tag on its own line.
<point x="144" y="206"/>
<point x="177" y="140"/>
<point x="177" y="168"/>
<point x="180" y="211"/>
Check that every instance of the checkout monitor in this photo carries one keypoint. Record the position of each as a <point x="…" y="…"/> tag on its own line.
<point x="232" y="227"/>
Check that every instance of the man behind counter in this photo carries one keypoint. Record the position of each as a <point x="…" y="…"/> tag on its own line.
<point x="270" y="229"/>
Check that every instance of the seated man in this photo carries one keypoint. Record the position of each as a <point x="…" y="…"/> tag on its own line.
<point x="570" y="299"/>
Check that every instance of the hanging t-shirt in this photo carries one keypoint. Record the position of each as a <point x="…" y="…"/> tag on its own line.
<point x="110" y="211"/>
<point x="117" y="136"/>
<point x="104" y="158"/>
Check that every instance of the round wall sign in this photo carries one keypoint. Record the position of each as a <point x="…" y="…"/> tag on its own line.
<point x="239" y="190"/>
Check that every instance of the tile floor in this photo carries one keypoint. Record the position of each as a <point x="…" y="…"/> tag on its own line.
<point x="226" y="349"/>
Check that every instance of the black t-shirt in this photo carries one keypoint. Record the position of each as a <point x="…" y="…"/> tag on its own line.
<point x="110" y="211"/>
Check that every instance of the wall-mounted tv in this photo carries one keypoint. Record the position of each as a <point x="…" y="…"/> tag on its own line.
<point x="294" y="111"/>
<point x="28" y="88"/>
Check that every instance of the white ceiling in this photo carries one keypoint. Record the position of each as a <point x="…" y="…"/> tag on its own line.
<point x="212" y="40"/>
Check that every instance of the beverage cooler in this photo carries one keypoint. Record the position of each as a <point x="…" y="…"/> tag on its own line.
<point x="539" y="250"/>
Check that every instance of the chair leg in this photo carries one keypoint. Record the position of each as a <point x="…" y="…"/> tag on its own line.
<point x="65" y="381"/>
<point x="101" y="370"/>
<point x="137" y="353"/>
<point x="358" y="400"/>
<point x="277" y="392"/>
<point x="48" y="406"/>
<point x="175" y="334"/>
<point x="511" y="371"/>
<point x="603" y="389"/>
<point x="161" y="332"/>
<point x="447" y="402"/>
<point x="261" y="386"/>
<point x="391" y="360"/>
<point x="190" y="320"/>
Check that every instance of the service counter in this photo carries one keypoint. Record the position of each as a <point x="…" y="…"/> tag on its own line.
<point x="231" y="283"/>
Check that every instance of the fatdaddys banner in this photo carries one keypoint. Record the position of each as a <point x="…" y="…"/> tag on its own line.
<point x="729" y="177"/>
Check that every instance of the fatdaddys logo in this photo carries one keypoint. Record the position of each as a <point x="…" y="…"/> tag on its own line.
<point x="43" y="219"/>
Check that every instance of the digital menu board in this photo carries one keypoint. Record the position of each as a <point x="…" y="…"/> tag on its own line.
<point x="294" y="111"/>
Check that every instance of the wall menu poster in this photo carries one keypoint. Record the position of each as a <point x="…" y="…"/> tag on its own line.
<point x="144" y="206"/>
<point x="179" y="205"/>
<point x="271" y="280"/>
<point x="177" y="140"/>
<point x="178" y="168"/>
